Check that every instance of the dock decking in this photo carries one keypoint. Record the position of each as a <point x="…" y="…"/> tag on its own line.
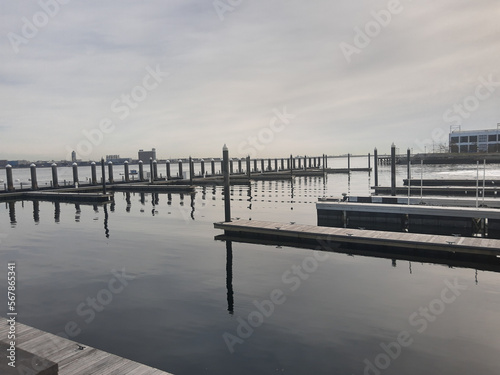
<point x="414" y="241"/>
<point x="67" y="354"/>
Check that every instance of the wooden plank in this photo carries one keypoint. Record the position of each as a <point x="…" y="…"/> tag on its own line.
<point x="383" y="238"/>
<point x="72" y="360"/>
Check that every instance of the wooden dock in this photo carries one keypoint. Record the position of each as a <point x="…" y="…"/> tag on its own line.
<point x="386" y="239"/>
<point x="71" y="357"/>
<point x="451" y="182"/>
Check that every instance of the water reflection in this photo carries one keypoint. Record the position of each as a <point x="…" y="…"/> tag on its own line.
<point x="36" y="211"/>
<point x="57" y="212"/>
<point x="12" y="213"/>
<point x="229" y="277"/>
<point x="106" y="218"/>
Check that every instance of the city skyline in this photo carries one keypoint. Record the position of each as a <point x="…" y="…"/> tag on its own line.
<point x="267" y="79"/>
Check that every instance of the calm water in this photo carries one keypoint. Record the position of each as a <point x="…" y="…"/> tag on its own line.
<point x="333" y="319"/>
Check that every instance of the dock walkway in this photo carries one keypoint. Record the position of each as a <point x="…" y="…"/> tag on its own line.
<point x="72" y="358"/>
<point x="414" y="241"/>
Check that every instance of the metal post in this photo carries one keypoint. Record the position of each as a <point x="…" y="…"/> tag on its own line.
<point x="110" y="172"/>
<point x="393" y="169"/>
<point x="75" y="174"/>
<point x="93" y="173"/>
<point x="408" y="160"/>
<point x="141" y="171"/>
<point x="34" y="183"/>
<point x="348" y="163"/>
<point x="477" y="185"/>
<point x="55" y="181"/>
<point x="103" y="171"/>
<point x="375" y="165"/>
<point x="421" y="179"/>
<point x="10" y="180"/>
<point x="369" y="161"/>
<point x="225" y="170"/>
<point x="484" y="178"/>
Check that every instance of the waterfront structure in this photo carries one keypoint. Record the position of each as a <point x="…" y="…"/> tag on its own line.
<point x="469" y="141"/>
<point x="145" y="155"/>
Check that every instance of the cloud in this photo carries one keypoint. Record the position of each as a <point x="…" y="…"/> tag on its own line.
<point x="226" y="77"/>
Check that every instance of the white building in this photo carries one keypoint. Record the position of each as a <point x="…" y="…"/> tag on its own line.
<point x="475" y="140"/>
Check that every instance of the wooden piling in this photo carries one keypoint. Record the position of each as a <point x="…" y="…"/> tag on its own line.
<point x="141" y="170"/>
<point x="225" y="170"/>
<point x="262" y="168"/>
<point x="167" y="164"/>
<point x="276" y="165"/>
<point x="248" y="167"/>
<point x="212" y="166"/>
<point x="103" y="171"/>
<point x="202" y="167"/>
<point x="55" y="181"/>
<point x="231" y="166"/>
<point x="282" y="164"/>
<point x="239" y="166"/>
<point x="369" y="161"/>
<point x="269" y="165"/>
<point x="93" y="173"/>
<point x="393" y="169"/>
<point x="126" y="171"/>
<point x="10" y="180"/>
<point x="191" y="170"/>
<point x="75" y="174"/>
<point x="155" y="170"/>
<point x="348" y="163"/>
<point x="110" y="172"/>
<point x="34" y="183"/>
<point x="255" y="165"/>
<point x="181" y="175"/>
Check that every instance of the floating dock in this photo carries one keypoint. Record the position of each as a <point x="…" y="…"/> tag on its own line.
<point x="467" y="191"/>
<point x="463" y="221"/>
<point x="451" y="182"/>
<point x="70" y="357"/>
<point x="311" y="233"/>
<point x="429" y="201"/>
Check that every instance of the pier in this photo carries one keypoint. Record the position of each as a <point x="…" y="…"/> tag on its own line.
<point x="43" y="353"/>
<point x="298" y="233"/>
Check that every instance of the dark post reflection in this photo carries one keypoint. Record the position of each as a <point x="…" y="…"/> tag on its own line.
<point x="181" y="195"/>
<point x="192" y="205"/>
<point x="36" y="211"/>
<point x="143" y="198"/>
<point x="112" y="206"/>
<point x="12" y="213"/>
<point x="229" y="277"/>
<point x="127" y="199"/>
<point x="106" y="216"/>
<point x="249" y="195"/>
<point x="169" y="199"/>
<point x="154" y="202"/>
<point x="78" y="212"/>
<point x="57" y="212"/>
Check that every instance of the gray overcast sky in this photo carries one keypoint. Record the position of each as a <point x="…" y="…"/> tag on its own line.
<point x="268" y="78"/>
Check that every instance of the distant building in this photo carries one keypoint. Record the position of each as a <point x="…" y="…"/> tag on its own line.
<point x="116" y="159"/>
<point x="3" y="163"/>
<point x="475" y="140"/>
<point x="145" y="155"/>
<point x="112" y="157"/>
